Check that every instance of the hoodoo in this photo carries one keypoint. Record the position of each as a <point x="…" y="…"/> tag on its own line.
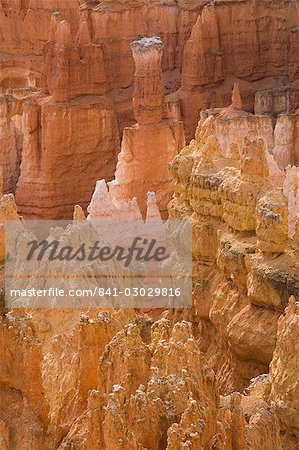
<point x="148" y="146"/>
<point x="96" y="98"/>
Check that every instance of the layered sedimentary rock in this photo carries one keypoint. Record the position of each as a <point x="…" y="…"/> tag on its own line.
<point x="149" y="146"/>
<point x="8" y="211"/>
<point x="83" y="59"/>
<point x="24" y="30"/>
<point x="10" y="140"/>
<point x="73" y="69"/>
<point x="117" y="24"/>
<point x="127" y="381"/>
<point x="283" y="370"/>
<point x="95" y="41"/>
<point x="148" y="90"/>
<point x="234" y="125"/>
<point x="61" y="143"/>
<point x="222" y="375"/>
<point x="113" y="25"/>
<point x="239" y="219"/>
<point x="272" y="222"/>
<point x="225" y="44"/>
<point x="285" y="140"/>
<point x="70" y="137"/>
<point x="291" y="191"/>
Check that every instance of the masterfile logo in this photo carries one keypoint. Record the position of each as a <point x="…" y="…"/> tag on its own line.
<point x="98" y="264"/>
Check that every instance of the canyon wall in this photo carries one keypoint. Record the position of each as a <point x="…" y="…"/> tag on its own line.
<point x="222" y="375"/>
<point x="70" y="137"/>
<point x="73" y="81"/>
<point x="204" y="44"/>
<point x="254" y="42"/>
<point x="149" y="146"/>
<point x="240" y="220"/>
<point x="24" y="29"/>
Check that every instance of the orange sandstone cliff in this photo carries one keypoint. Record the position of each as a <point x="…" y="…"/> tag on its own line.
<point x="88" y="64"/>
<point x="96" y="100"/>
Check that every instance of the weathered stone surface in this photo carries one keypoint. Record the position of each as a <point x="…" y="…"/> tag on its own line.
<point x="73" y="68"/>
<point x="143" y="163"/>
<point x="149" y="146"/>
<point x="10" y="141"/>
<point x="148" y="90"/>
<point x="8" y="211"/>
<point x="244" y="289"/>
<point x="24" y="30"/>
<point x="283" y="371"/>
<point x="285" y="141"/>
<point x="61" y="143"/>
<point x="291" y="191"/>
<point x="96" y="380"/>
<point x="272" y="222"/>
<point x="273" y="102"/>
<point x="226" y="41"/>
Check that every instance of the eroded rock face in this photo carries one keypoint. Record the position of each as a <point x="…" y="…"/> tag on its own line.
<point x="77" y="54"/>
<point x="100" y="379"/>
<point x="24" y="30"/>
<point x="148" y="90"/>
<point x="80" y="47"/>
<point x="11" y="140"/>
<point x="62" y="142"/>
<point x="291" y="191"/>
<point x="225" y="41"/>
<point x="162" y="391"/>
<point x="222" y="375"/>
<point x="126" y="381"/>
<point x="272" y="222"/>
<point x="73" y="68"/>
<point x="284" y="386"/>
<point x="238" y="222"/>
<point x="143" y="163"/>
<point x="117" y="23"/>
<point x="149" y="146"/>
<point x="8" y="211"/>
<point x="208" y="30"/>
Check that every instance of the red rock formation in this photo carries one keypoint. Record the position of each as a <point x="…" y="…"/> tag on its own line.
<point x="25" y="392"/>
<point x="92" y="68"/>
<point x="104" y="206"/>
<point x="225" y="45"/>
<point x="291" y="191"/>
<point x="117" y="23"/>
<point x="68" y="135"/>
<point x="148" y="90"/>
<point x="24" y="31"/>
<point x="236" y="98"/>
<point x="61" y="143"/>
<point x="73" y="68"/>
<point x="10" y="140"/>
<point x="234" y="125"/>
<point x="150" y="145"/>
<point x="216" y="192"/>
<point x="99" y="43"/>
<point x="96" y="380"/>
<point x="114" y="25"/>
<point x="272" y="222"/>
<point x="283" y="370"/>
<point x="8" y="211"/>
